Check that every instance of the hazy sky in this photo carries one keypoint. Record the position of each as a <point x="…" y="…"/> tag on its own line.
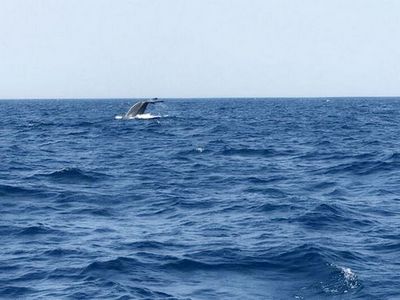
<point x="199" y="48"/>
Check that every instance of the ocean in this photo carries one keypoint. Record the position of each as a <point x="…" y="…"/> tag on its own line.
<point x="215" y="199"/>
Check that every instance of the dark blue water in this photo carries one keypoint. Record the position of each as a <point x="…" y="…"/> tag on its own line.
<point x="217" y="199"/>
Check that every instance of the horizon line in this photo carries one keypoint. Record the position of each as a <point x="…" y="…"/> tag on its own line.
<point x="202" y="98"/>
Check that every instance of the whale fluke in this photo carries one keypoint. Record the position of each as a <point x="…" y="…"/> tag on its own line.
<point x="140" y="107"/>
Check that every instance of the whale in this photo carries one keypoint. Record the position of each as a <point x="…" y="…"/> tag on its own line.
<point x="139" y="108"/>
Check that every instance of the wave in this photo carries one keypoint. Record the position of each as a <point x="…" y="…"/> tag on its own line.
<point x="13" y="292"/>
<point x="322" y="185"/>
<point x="267" y="191"/>
<point x="363" y="167"/>
<point x="250" y="152"/>
<point x="121" y="264"/>
<point x="301" y="258"/>
<point x="308" y="261"/>
<point x="270" y="207"/>
<point x="317" y="155"/>
<point x="265" y="180"/>
<point x="395" y="156"/>
<point x="386" y="246"/>
<point x="74" y="175"/>
<point x="37" y="230"/>
<point x="101" y="212"/>
<point x="59" y="252"/>
<point x="334" y="217"/>
<point x="7" y="190"/>
<point x="84" y="123"/>
<point x="316" y="264"/>
<point x="150" y="245"/>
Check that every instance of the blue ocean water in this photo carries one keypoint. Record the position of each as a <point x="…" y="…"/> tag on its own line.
<point x="217" y="199"/>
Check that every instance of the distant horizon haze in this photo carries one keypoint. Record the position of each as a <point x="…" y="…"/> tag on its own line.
<point x="209" y="98"/>
<point x="99" y="49"/>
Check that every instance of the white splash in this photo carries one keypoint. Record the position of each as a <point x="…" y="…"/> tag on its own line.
<point x="349" y="277"/>
<point x="341" y="282"/>
<point x="147" y="116"/>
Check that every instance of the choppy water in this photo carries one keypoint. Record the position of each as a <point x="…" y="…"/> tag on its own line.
<point x="221" y="199"/>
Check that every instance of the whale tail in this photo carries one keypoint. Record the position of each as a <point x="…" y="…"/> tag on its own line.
<point x="140" y="107"/>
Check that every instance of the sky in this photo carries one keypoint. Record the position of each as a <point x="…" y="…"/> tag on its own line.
<point x="199" y="48"/>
